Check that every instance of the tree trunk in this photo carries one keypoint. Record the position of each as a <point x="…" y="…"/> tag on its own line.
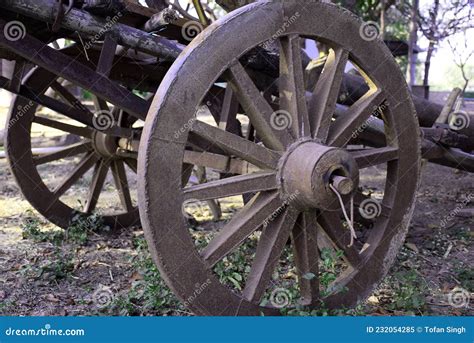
<point x="431" y="47"/>
<point x="412" y="57"/>
<point x="426" y="78"/>
<point x="351" y="5"/>
<point x="383" y="25"/>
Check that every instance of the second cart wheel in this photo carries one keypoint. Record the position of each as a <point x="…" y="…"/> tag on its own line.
<point x="51" y="172"/>
<point x="302" y="167"/>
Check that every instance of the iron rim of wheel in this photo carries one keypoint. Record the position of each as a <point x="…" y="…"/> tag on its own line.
<point x="93" y="147"/>
<point x="214" y="56"/>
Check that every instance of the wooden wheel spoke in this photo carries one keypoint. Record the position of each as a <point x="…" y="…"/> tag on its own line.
<point x="75" y="130"/>
<point x="305" y="245"/>
<point x="270" y="247"/>
<point x="64" y="93"/>
<point x="323" y="101"/>
<point x="236" y="185"/>
<point x="98" y="180"/>
<point x="371" y="157"/>
<point x="101" y="104"/>
<point x="238" y="146"/>
<point x="78" y="114"/>
<point x="230" y="107"/>
<point x="69" y="151"/>
<point x="345" y="126"/>
<point x="121" y="182"/>
<point x="331" y="223"/>
<point x="221" y="163"/>
<point x="132" y="164"/>
<point x="242" y="225"/>
<point x="292" y="85"/>
<point x="257" y="109"/>
<point x="86" y="163"/>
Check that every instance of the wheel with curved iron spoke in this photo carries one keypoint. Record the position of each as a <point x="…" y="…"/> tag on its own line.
<point x="64" y="154"/>
<point x="299" y="160"/>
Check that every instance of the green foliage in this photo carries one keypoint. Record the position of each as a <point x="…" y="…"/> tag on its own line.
<point x="56" y="267"/>
<point x="233" y="269"/>
<point x="31" y="230"/>
<point x="329" y="268"/>
<point x="59" y="267"/>
<point x="148" y="295"/>
<point x="409" y="291"/>
<point x="77" y="233"/>
<point x="465" y="275"/>
<point x="82" y="225"/>
<point x="397" y="24"/>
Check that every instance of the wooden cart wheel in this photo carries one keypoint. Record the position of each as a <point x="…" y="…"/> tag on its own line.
<point x="299" y="168"/>
<point x="86" y="150"/>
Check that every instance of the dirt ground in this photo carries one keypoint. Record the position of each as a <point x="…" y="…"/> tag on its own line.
<point x="44" y="272"/>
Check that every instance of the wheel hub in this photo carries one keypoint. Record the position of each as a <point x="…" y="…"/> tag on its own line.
<point x="309" y="168"/>
<point x="105" y="145"/>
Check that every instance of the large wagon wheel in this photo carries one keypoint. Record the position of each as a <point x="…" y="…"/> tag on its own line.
<point x="89" y="150"/>
<point x="304" y="166"/>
